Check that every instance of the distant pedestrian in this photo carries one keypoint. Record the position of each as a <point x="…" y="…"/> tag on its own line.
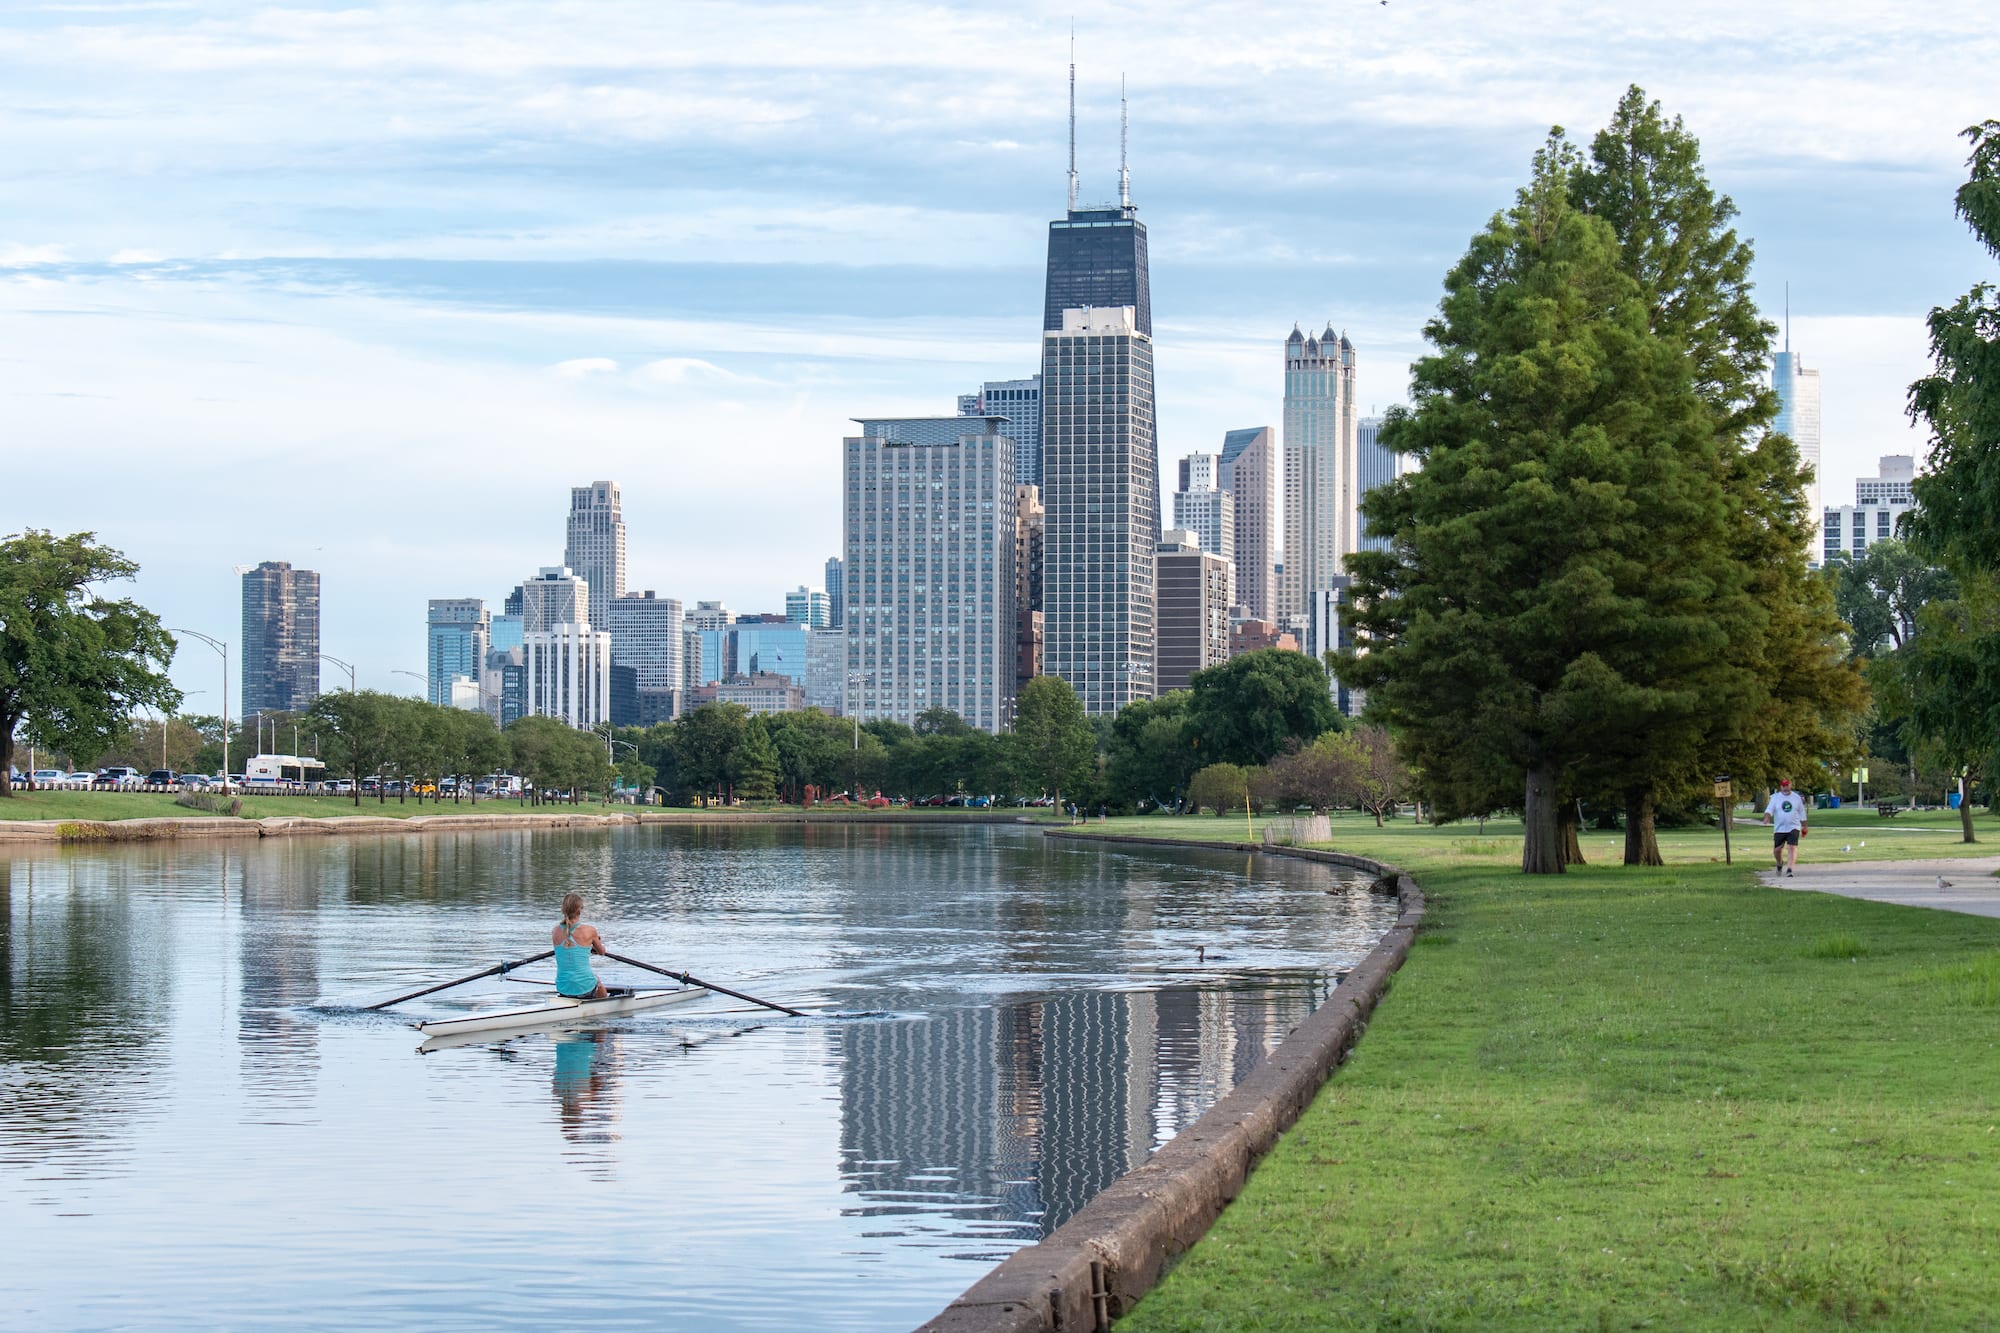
<point x="1786" y="814"/>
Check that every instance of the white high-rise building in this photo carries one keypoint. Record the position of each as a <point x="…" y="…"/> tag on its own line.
<point x="1879" y="504"/>
<point x="1205" y="511"/>
<point x="595" y="548"/>
<point x="567" y="674"/>
<point x="1798" y="417"/>
<point x="1101" y="479"/>
<point x="555" y="596"/>
<point x="929" y="558"/>
<point x="1322" y="466"/>
<point x="1251" y="468"/>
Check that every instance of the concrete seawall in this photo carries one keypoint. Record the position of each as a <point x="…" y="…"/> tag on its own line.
<point x="1096" y="1266"/>
<point x="168" y="828"/>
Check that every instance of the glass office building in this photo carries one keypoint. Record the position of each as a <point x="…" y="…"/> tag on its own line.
<point x="930" y="546"/>
<point x="1097" y="258"/>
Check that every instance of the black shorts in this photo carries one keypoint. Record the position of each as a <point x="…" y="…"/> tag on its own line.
<point x="1780" y="839"/>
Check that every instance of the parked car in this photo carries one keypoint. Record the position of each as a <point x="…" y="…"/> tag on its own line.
<point x="162" y="777"/>
<point x="49" y="777"/>
<point x="116" y="778"/>
<point x="79" y="781"/>
<point x="194" y="781"/>
<point x="341" y="787"/>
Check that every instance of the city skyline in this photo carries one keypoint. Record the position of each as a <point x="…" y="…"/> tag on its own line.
<point x="327" y="302"/>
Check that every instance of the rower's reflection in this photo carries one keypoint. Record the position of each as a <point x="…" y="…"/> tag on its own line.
<point x="585" y="1081"/>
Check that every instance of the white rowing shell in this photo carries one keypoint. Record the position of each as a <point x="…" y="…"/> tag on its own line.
<point x="558" y="1009"/>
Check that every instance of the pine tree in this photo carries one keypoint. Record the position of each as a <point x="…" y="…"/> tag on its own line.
<point x="1536" y="609"/>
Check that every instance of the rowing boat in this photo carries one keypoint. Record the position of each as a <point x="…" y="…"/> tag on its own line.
<point x="558" y="1009"/>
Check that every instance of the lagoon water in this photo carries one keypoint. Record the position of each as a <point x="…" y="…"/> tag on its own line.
<point x="199" y="1128"/>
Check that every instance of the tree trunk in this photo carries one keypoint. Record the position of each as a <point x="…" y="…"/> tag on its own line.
<point x="1642" y="843"/>
<point x="1541" y="847"/>
<point x="1965" y="815"/>
<point x="1378" y="815"/>
<point x="7" y="758"/>
<point x="1567" y="823"/>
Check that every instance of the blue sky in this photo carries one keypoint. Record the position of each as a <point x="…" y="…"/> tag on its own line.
<point x="369" y="286"/>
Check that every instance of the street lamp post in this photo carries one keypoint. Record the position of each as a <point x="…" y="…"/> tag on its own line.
<point x="221" y="646"/>
<point x="348" y="667"/>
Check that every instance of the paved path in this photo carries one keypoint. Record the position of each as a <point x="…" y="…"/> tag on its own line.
<point x="1969" y="883"/>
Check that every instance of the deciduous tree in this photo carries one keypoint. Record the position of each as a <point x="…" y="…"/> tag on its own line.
<point x="1052" y="742"/>
<point x="74" y="663"/>
<point x="1248" y="709"/>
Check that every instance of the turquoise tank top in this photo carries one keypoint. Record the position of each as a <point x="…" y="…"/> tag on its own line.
<point x="574" y="976"/>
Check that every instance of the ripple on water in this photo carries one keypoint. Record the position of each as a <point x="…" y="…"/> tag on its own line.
<point x="202" y="1127"/>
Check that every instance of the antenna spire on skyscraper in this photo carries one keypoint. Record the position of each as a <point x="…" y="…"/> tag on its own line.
<point x="1124" y="175"/>
<point x="1788" y="296"/>
<point x="1072" y="115"/>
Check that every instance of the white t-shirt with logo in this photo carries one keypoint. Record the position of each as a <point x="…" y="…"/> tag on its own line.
<point x="1788" y="811"/>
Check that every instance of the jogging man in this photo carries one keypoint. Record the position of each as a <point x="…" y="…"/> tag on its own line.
<point x="1786" y="814"/>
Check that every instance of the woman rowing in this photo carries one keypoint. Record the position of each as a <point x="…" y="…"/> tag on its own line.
<point x="575" y="943"/>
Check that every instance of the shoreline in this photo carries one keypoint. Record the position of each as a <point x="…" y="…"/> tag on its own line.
<point x="168" y="828"/>
<point x="1094" y="1268"/>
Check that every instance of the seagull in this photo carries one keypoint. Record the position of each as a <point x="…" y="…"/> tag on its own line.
<point x="1864" y="843"/>
<point x="1943" y="883"/>
<point x="1848" y="847"/>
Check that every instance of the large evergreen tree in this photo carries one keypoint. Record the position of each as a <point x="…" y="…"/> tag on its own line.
<point x="1771" y="653"/>
<point x="1558" y="574"/>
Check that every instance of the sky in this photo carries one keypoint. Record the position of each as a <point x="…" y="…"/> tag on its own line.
<point x="367" y="287"/>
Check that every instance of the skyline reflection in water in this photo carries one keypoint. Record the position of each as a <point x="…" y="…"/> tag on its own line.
<point x="199" y="1128"/>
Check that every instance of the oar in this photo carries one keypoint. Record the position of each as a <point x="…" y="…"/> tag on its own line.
<point x="687" y="980"/>
<point x="496" y="969"/>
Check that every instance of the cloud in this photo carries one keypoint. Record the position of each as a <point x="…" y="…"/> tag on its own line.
<point x="586" y="367"/>
<point x="136" y="257"/>
<point x="28" y="256"/>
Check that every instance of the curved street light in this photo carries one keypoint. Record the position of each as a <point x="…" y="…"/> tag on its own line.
<point x="221" y="646"/>
<point x="347" y="667"/>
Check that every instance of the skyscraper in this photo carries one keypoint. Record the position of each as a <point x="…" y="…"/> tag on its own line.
<point x="646" y="639"/>
<point x="1204" y="510"/>
<point x="1322" y="463"/>
<point x="1101" y="488"/>
<point x="555" y="596"/>
<point x="1798" y="417"/>
<point x="930" y="537"/>
<point x="809" y="607"/>
<point x="280" y="638"/>
<point x="460" y="636"/>
<point x="1194" y="609"/>
<point x="836" y="593"/>
<point x="1030" y="546"/>
<point x="1020" y="401"/>
<point x="567" y="674"/>
<point x="596" y="545"/>
<point x="1251" y="468"/>
<point x="1378" y="467"/>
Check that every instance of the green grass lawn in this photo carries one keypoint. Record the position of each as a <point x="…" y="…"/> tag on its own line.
<point x="1662" y="1098"/>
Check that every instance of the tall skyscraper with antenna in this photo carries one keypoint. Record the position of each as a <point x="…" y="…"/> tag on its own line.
<point x="1100" y="456"/>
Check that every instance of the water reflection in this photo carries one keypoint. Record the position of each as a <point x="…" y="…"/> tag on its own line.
<point x="586" y="1104"/>
<point x="1012" y="1117"/>
<point x="1005" y="1025"/>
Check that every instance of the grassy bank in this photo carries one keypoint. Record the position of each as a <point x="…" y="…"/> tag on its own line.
<point x="1651" y="1098"/>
